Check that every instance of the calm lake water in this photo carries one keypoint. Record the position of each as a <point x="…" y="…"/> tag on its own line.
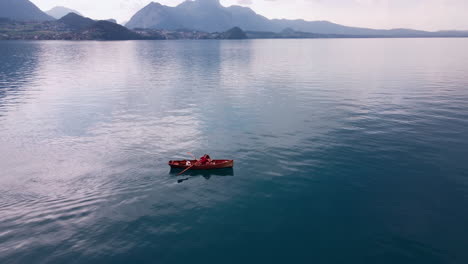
<point x="347" y="151"/>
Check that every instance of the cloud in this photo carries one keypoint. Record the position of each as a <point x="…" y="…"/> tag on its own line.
<point x="244" y="2"/>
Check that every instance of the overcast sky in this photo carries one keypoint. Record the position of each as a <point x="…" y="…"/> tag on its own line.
<point x="417" y="14"/>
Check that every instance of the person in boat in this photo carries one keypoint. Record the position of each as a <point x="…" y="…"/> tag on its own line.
<point x="205" y="159"/>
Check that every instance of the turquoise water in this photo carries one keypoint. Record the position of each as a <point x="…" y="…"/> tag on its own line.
<point x="347" y="151"/>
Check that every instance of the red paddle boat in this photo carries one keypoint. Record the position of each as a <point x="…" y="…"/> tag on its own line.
<point x="197" y="165"/>
<point x="204" y="163"/>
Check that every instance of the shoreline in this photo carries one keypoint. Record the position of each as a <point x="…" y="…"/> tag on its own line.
<point x="220" y="39"/>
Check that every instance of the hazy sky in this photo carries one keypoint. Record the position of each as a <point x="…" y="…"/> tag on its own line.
<point x="417" y="14"/>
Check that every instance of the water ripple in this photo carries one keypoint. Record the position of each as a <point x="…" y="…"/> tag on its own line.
<point x="356" y="146"/>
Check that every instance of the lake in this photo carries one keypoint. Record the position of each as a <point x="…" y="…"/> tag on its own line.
<point x="346" y="151"/>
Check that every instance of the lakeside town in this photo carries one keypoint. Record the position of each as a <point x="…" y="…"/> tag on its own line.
<point x="76" y="27"/>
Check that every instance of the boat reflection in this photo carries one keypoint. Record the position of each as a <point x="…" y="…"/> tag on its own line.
<point x="207" y="174"/>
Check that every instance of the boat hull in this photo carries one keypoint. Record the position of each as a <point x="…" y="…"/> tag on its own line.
<point x="215" y="164"/>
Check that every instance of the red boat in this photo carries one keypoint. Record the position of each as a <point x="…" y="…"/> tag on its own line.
<point x="214" y="164"/>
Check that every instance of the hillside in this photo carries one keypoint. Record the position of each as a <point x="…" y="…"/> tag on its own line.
<point x="60" y="11"/>
<point x="76" y="27"/>
<point x="22" y="10"/>
<point x="105" y="30"/>
<point x="211" y="16"/>
<point x="203" y="15"/>
<point x="76" y="22"/>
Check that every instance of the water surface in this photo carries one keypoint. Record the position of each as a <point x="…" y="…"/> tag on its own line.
<point x="347" y="151"/>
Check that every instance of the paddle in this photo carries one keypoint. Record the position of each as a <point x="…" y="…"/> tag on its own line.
<point x="190" y="166"/>
<point x="192" y="155"/>
<point x="187" y="169"/>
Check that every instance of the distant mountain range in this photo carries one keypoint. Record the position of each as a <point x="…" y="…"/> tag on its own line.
<point x="87" y="28"/>
<point x="192" y="19"/>
<point x="76" y="22"/>
<point x="75" y="27"/>
<point x="22" y="10"/>
<point x="211" y="16"/>
<point x="60" y="11"/>
<point x="69" y="27"/>
<point x="203" y="15"/>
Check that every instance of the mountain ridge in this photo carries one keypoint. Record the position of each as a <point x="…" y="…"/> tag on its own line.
<point x="75" y="27"/>
<point x="61" y="11"/>
<point x="22" y="10"/>
<point x="211" y="16"/>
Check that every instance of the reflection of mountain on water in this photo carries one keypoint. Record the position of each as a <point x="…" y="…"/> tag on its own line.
<point x="19" y="62"/>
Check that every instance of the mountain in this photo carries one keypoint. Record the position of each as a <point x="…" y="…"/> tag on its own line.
<point x="102" y="29"/>
<point x="326" y="27"/>
<point x="211" y="16"/>
<point x="22" y="10"/>
<point x="4" y="20"/>
<point x="204" y="15"/>
<point x="60" y="11"/>
<point x="75" y="27"/>
<point x="105" y="30"/>
<point x="76" y="22"/>
<point x="234" y="33"/>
